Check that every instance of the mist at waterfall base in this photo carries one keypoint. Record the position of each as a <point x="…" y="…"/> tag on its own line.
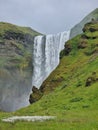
<point x="45" y="58"/>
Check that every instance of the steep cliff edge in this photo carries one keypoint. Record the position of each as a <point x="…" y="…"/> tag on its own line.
<point x="77" y="29"/>
<point x="16" y="45"/>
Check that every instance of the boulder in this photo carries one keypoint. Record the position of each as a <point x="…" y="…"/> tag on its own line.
<point x="67" y="48"/>
<point x="91" y="79"/>
<point x="82" y="44"/>
<point x="35" y="95"/>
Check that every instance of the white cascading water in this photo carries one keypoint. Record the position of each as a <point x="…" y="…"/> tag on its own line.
<point x="46" y="51"/>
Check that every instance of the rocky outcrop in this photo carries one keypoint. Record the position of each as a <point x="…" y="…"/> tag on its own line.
<point x="35" y="95"/>
<point x="67" y="48"/>
<point x="82" y="44"/>
<point x="77" y="29"/>
<point x="91" y="79"/>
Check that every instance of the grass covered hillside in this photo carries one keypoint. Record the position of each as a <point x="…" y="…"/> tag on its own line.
<point x="70" y="92"/>
<point x="16" y="44"/>
<point x="5" y="27"/>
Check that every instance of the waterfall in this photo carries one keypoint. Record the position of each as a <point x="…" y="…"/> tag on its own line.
<point x="45" y="58"/>
<point x="46" y="50"/>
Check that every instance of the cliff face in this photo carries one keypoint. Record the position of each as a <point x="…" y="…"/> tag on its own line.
<point x="78" y="65"/>
<point x="16" y="44"/>
<point x="77" y="29"/>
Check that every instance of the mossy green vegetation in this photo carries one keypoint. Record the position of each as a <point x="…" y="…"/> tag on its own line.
<point x="15" y="44"/>
<point x="65" y="94"/>
<point x="5" y="27"/>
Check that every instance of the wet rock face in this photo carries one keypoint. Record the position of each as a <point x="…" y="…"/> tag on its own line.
<point x="13" y="35"/>
<point x="19" y="36"/>
<point x="36" y="95"/>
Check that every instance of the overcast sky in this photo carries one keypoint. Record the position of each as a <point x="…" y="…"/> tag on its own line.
<point x="46" y="16"/>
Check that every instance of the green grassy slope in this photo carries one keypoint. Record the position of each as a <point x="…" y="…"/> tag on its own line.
<point x="14" y="28"/>
<point x="72" y="101"/>
<point x="66" y="95"/>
